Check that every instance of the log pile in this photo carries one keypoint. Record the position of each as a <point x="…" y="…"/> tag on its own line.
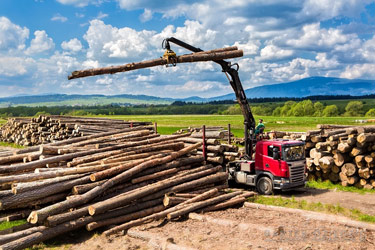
<point x="112" y="180"/>
<point x="218" y="150"/>
<point x="342" y="154"/>
<point x="45" y="129"/>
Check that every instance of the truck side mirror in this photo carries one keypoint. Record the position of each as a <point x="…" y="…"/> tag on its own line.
<point x="276" y="155"/>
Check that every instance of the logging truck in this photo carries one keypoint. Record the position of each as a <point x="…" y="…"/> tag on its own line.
<point x="267" y="164"/>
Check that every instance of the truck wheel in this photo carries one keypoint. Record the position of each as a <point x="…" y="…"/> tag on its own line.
<point x="264" y="186"/>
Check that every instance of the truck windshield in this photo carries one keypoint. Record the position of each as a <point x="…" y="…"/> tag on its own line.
<point x="294" y="153"/>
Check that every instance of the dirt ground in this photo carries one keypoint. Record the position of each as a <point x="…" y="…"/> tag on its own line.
<point x="290" y="232"/>
<point x="363" y="202"/>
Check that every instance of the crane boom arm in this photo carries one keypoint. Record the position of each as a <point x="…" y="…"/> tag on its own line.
<point x="235" y="82"/>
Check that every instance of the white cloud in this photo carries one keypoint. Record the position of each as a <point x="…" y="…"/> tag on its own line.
<point x="73" y="45"/>
<point x="15" y="66"/>
<point x="88" y="64"/>
<point x="80" y="3"/>
<point x="272" y="53"/>
<point x="12" y="36"/>
<point x="106" y="41"/>
<point x="40" y="43"/>
<point x="315" y="38"/>
<point x="235" y="20"/>
<point x="59" y="17"/>
<point x="146" y="16"/>
<point x="331" y="8"/>
<point x="101" y="15"/>
<point x="359" y="71"/>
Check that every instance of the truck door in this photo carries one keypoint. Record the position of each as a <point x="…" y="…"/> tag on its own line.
<point x="269" y="164"/>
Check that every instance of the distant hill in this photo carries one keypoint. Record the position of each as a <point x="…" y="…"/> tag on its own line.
<point x="311" y="86"/>
<point x="79" y="100"/>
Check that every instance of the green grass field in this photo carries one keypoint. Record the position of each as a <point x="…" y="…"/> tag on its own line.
<point x="168" y="124"/>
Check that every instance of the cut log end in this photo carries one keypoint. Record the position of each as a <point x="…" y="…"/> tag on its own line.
<point x="91" y="210"/>
<point x="33" y="217"/>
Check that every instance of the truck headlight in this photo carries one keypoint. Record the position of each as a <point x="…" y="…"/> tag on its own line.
<point x="283" y="180"/>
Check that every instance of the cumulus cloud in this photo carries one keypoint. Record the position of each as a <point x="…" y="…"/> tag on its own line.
<point x="106" y="41"/>
<point x="272" y="53"/>
<point x="15" y="66"/>
<point x="73" y="45"/>
<point x="314" y="37"/>
<point x="59" y="17"/>
<point x="40" y="43"/>
<point x="359" y="71"/>
<point x="12" y="36"/>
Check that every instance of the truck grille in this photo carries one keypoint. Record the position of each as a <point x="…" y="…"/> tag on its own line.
<point x="297" y="173"/>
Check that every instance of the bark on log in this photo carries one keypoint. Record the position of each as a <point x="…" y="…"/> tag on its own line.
<point x="42" y="214"/>
<point x="121" y="200"/>
<point x="22" y="199"/>
<point x="156" y="62"/>
<point x="16" y="235"/>
<point x="201" y="204"/>
<point x="27" y="186"/>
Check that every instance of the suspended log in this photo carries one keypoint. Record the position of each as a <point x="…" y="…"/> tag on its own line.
<point x="195" y="57"/>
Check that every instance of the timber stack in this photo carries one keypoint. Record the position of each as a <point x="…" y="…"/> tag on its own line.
<point x="45" y="129"/>
<point x="112" y="180"/>
<point x="342" y="154"/>
<point x="219" y="149"/>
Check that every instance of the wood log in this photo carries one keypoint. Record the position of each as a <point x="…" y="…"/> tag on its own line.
<point x="370" y="158"/>
<point x="162" y="185"/>
<point x="22" y="199"/>
<point x="16" y="235"/>
<point x="339" y="159"/>
<point x="326" y="162"/>
<point x="363" y="138"/>
<point x="169" y="200"/>
<point x="198" y="205"/>
<point x="357" y="151"/>
<point x="195" y="140"/>
<point x="33" y="185"/>
<point x="349" y="169"/>
<point x="235" y="201"/>
<point x="155" y="216"/>
<point x="80" y="189"/>
<point x="156" y="62"/>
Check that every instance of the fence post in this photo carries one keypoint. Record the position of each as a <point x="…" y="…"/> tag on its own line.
<point x="204" y="142"/>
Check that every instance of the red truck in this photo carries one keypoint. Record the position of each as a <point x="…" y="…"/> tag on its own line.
<point x="278" y="164"/>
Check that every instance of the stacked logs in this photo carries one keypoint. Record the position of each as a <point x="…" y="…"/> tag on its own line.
<point x="218" y="147"/>
<point x="342" y="154"/>
<point x="113" y="180"/>
<point x="45" y="129"/>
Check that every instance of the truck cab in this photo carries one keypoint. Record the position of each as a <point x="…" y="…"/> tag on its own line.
<point x="278" y="164"/>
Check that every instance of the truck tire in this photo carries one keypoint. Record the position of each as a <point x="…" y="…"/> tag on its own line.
<point x="264" y="185"/>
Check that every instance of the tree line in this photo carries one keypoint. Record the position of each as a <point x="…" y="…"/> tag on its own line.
<point x="288" y="108"/>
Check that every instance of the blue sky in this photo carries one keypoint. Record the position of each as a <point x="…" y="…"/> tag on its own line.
<point x="42" y="41"/>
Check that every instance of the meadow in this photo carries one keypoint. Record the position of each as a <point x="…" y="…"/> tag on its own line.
<point x="167" y="124"/>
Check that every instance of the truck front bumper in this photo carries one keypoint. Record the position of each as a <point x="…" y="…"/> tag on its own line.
<point x="285" y="184"/>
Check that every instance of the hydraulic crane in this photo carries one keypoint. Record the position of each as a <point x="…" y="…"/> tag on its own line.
<point x="231" y="71"/>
